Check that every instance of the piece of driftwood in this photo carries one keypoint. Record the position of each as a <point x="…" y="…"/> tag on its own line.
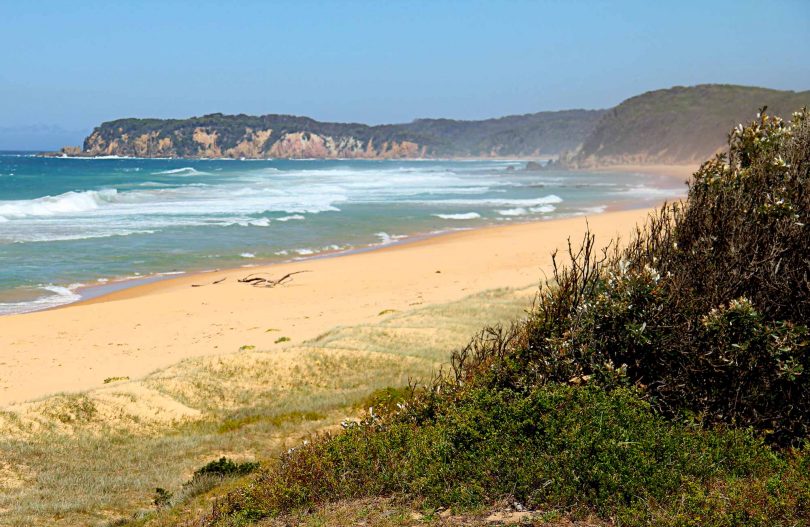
<point x="259" y="281"/>
<point x="212" y="283"/>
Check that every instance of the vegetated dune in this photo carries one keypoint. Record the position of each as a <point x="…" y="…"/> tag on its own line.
<point x="662" y="382"/>
<point x="83" y="458"/>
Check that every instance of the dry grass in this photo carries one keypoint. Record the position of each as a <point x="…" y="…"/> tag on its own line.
<point x="90" y="458"/>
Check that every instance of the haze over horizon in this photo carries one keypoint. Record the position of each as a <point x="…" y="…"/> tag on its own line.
<point x="373" y="62"/>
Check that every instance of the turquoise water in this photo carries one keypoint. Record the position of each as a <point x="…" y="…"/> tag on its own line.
<point x="65" y="223"/>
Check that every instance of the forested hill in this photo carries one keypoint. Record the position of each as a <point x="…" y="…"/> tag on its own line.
<point x="286" y="136"/>
<point x="678" y="125"/>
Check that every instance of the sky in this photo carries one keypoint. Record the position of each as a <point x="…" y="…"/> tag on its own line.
<point x="66" y="67"/>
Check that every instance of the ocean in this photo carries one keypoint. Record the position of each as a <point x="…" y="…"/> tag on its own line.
<point x="71" y="227"/>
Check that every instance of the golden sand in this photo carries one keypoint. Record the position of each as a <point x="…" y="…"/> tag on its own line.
<point x="133" y="332"/>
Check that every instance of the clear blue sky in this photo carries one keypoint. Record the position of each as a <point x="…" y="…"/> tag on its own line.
<point x="66" y="66"/>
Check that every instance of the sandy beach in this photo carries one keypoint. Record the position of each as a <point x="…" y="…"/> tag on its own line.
<point x="138" y="330"/>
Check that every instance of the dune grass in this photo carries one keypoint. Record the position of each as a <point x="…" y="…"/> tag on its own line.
<point x="96" y="458"/>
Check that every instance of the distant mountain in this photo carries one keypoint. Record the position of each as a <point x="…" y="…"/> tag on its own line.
<point x="678" y="125"/>
<point x="287" y="136"/>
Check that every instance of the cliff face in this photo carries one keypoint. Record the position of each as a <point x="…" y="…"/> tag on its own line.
<point x="255" y="144"/>
<point x="282" y="136"/>
<point x="307" y="145"/>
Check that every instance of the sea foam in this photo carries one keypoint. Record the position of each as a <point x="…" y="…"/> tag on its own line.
<point x="517" y="211"/>
<point x="460" y="216"/>
<point x="59" y="296"/>
<point x="185" y="171"/>
<point x="387" y="239"/>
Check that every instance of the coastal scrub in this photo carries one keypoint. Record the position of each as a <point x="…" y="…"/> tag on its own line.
<point x="662" y="382"/>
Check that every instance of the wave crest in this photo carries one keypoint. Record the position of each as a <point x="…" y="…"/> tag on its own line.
<point x="67" y="203"/>
<point x="461" y="216"/>
<point x="185" y="171"/>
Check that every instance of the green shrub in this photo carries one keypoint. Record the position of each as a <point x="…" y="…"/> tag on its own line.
<point x="706" y="308"/>
<point x="573" y="448"/>
<point x="386" y="400"/>
<point x="224" y="467"/>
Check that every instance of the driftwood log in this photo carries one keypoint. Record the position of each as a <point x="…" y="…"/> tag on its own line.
<point x="256" y="280"/>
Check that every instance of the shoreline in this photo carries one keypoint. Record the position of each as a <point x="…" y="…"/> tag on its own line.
<point x="126" y="285"/>
<point x="93" y="293"/>
<point x="54" y="291"/>
<point x="134" y="327"/>
<point x="98" y="292"/>
<point x="136" y="330"/>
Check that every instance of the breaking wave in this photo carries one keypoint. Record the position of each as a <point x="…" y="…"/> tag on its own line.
<point x="387" y="239"/>
<point x="517" y="211"/>
<point x="460" y="216"/>
<point x="185" y="171"/>
<point x="67" y="203"/>
<point x="522" y="211"/>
